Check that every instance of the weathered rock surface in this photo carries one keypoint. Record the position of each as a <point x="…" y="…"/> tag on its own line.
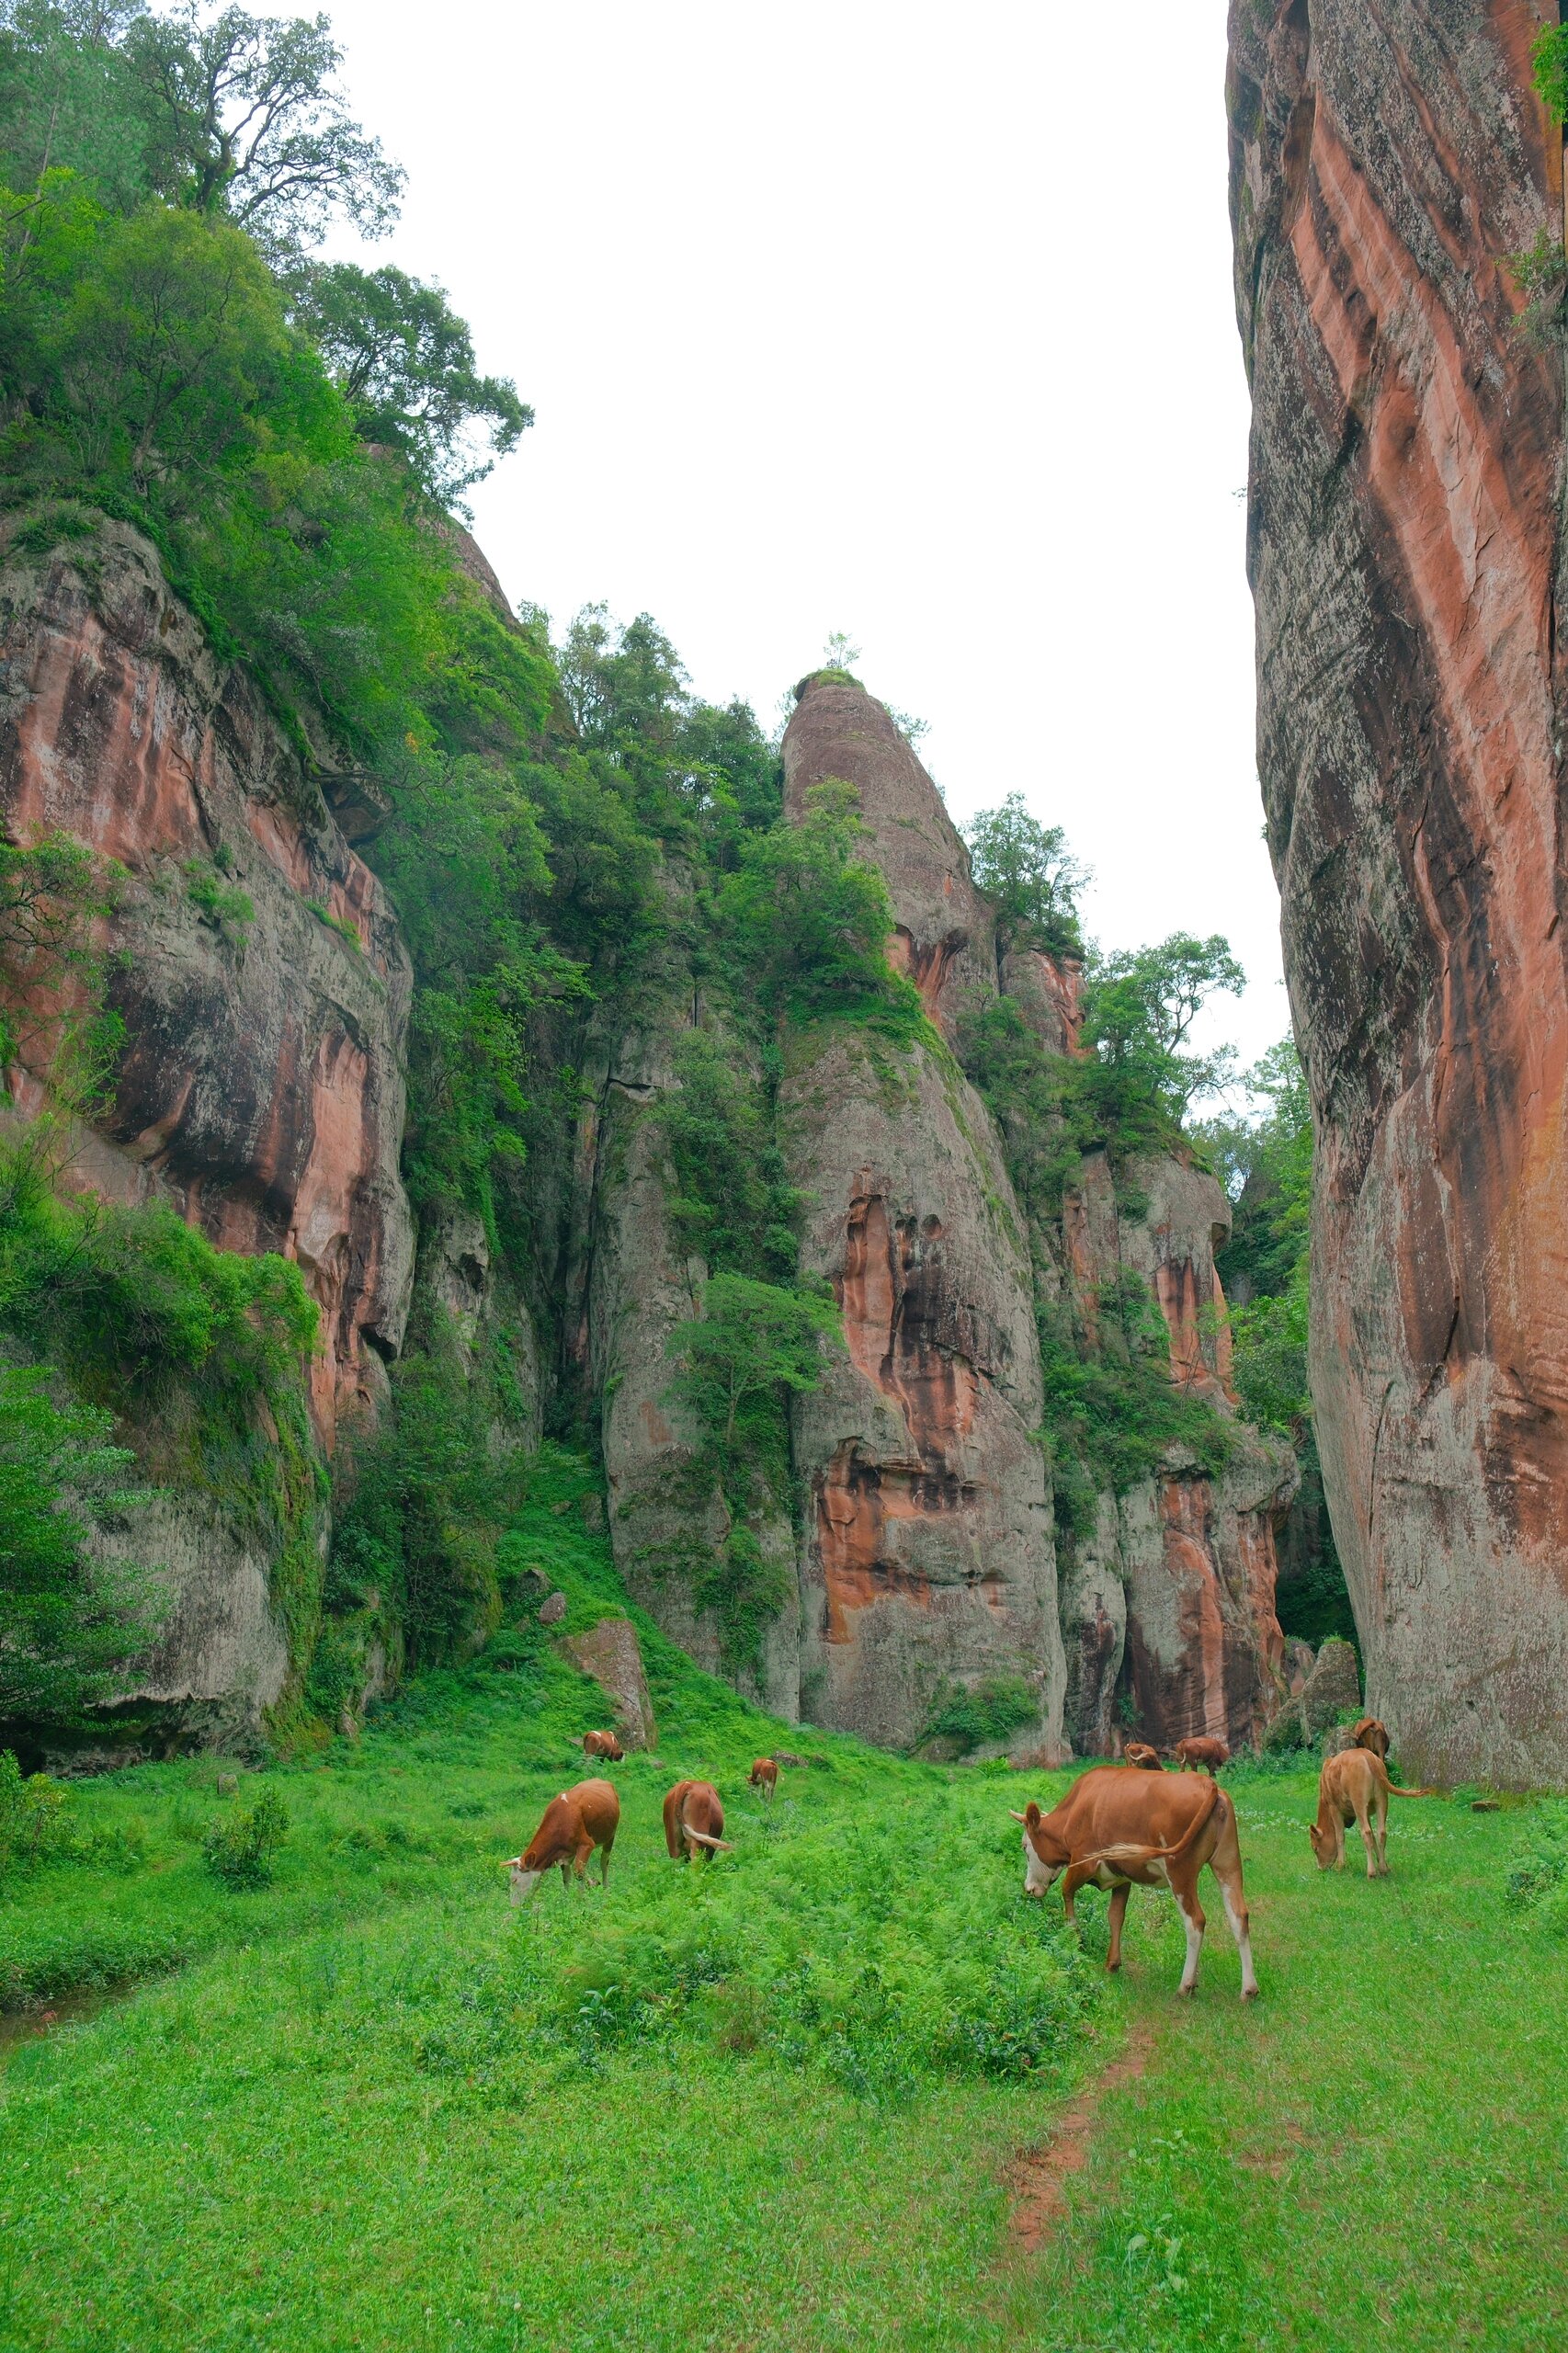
<point x="261" y="1090"/>
<point x="610" y="1653"/>
<point x="927" y="1555"/>
<point x="1333" y="1685"/>
<point x="1404" y="552"/>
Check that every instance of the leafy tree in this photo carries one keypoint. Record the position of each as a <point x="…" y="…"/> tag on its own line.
<point x="1266" y="1165"/>
<point x="244" y="118"/>
<point x="813" y="917"/>
<point x="1030" y="877"/>
<point x="754" y="1341"/>
<point x="52" y="971"/>
<point x="71" y="1622"/>
<point x="403" y="361"/>
<point x="1139" y="1008"/>
<point x="732" y="1203"/>
<point x="1548" y="60"/>
<point x="68" y="99"/>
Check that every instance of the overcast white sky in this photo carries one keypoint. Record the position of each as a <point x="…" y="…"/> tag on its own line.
<point x="908" y="322"/>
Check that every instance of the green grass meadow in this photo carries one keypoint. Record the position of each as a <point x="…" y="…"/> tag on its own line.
<point x="768" y="2101"/>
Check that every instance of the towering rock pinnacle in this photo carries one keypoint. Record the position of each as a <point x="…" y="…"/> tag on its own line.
<point x="928" y="1550"/>
<point x="1404" y="552"/>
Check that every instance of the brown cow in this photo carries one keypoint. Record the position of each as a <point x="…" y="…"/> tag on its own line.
<point x="764" y="1776"/>
<point x="693" y="1818"/>
<point x="1201" y="1754"/>
<point x="575" y="1823"/>
<point x="1139" y="1753"/>
<point x="1371" y="1733"/>
<point x="1118" y="1828"/>
<point x="1351" y="1784"/>
<point x="603" y="1744"/>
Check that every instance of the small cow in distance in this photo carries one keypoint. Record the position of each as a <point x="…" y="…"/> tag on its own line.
<point x="1369" y="1733"/>
<point x="694" y="1818"/>
<point x="1351" y="1786"/>
<point x="1201" y="1754"/>
<point x="1116" y="1828"/>
<point x="603" y="1744"/>
<point x="764" y="1776"/>
<point x="575" y="1823"/>
<point x="1139" y="1753"/>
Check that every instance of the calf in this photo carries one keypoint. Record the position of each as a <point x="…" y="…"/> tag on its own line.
<point x="575" y="1823"/>
<point x="764" y="1776"/>
<point x="693" y="1818"/>
<point x="1139" y="1753"/>
<point x="1201" y="1754"/>
<point x="1371" y="1733"/>
<point x="1118" y="1829"/>
<point x="603" y="1744"/>
<point x="1352" y="1785"/>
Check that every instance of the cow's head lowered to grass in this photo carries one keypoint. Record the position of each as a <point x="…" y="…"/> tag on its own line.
<point x="1045" y="1856"/>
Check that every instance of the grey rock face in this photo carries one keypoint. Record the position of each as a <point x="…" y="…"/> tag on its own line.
<point x="611" y="1654"/>
<point x="1405" y="555"/>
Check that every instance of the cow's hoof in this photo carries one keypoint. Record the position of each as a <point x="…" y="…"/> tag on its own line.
<point x="1186" y="1992"/>
<point x="1252" y="1993"/>
<point x="1111" y="1967"/>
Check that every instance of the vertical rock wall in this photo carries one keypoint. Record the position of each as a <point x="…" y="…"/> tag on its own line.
<point x="1404" y="552"/>
<point x="261" y="1093"/>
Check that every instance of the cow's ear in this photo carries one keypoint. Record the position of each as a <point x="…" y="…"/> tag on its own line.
<point x="1032" y="1816"/>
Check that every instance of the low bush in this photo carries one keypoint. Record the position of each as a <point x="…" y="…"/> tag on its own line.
<point x="1537" y="1873"/>
<point x="983" y="1712"/>
<point x="240" y="1846"/>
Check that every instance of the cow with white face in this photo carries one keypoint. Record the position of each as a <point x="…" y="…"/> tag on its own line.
<point x="575" y="1823"/>
<point x="1117" y="1829"/>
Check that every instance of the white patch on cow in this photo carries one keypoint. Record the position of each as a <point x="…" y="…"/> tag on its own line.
<point x="1194" y="1947"/>
<point x="1243" y="1944"/>
<point x="1037" y="1876"/>
<point x="524" y="1883"/>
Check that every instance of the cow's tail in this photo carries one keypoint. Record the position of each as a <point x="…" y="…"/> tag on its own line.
<point x="1395" y="1791"/>
<point x="704" y="1839"/>
<point x="1128" y="1851"/>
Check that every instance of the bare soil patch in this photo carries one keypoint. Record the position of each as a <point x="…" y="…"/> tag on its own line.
<point x="1038" y="2178"/>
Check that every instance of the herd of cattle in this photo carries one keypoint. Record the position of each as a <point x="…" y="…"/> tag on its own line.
<point x="1119" y="1826"/>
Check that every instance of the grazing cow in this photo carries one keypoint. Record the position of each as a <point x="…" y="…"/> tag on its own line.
<point x="575" y="1823"/>
<point x="1201" y="1755"/>
<point x="764" y="1776"/>
<point x="1139" y="1753"/>
<point x="693" y="1818"/>
<point x="1352" y="1785"/>
<point x="1371" y="1733"/>
<point x="1117" y="1828"/>
<point x="603" y="1744"/>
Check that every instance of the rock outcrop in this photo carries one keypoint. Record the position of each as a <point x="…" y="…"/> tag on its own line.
<point x="1405" y="552"/>
<point x="261" y="1090"/>
<point x="611" y="1655"/>
<point x="927" y="1557"/>
<point x="265" y="990"/>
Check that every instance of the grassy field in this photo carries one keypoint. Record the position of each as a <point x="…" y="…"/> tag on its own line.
<point x="768" y="2102"/>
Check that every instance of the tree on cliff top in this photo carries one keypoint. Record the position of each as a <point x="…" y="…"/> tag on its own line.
<point x="1030" y="877"/>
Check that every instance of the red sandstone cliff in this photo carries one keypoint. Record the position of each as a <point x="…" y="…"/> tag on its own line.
<point x="1404" y="552"/>
<point x="261" y="1091"/>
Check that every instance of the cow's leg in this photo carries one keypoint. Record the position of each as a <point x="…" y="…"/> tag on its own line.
<point x="1193" y="1921"/>
<point x="1339" y="1822"/>
<point x="1117" y="1914"/>
<point x="1075" y="1879"/>
<point x="1241" y="1924"/>
<point x="1366" y="1839"/>
<point x="1382" y="1816"/>
<point x="604" y="1862"/>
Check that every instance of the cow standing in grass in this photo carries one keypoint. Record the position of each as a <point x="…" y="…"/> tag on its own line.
<point x="1372" y="1734"/>
<point x="1117" y="1830"/>
<point x="1355" y="1786"/>
<point x="1201" y="1754"/>
<point x="575" y="1823"/>
<point x="1139" y="1753"/>
<point x="603" y="1745"/>
<point x="764" y="1776"/>
<point x="694" y="1819"/>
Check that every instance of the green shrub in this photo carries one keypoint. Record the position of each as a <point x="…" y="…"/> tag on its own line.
<point x="35" y="1821"/>
<point x="239" y="1845"/>
<point x="977" y="1714"/>
<point x="1537" y="1872"/>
